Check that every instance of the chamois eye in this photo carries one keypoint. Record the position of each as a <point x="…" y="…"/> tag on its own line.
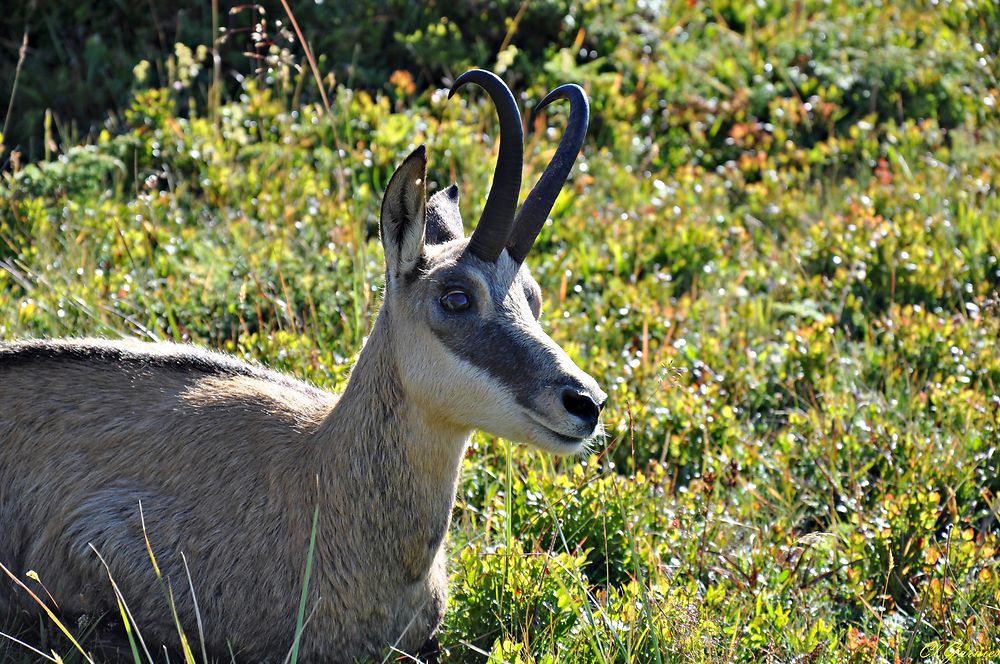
<point x="455" y="300"/>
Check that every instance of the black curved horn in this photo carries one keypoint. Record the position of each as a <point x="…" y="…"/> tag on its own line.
<point x="542" y="197"/>
<point x="494" y="225"/>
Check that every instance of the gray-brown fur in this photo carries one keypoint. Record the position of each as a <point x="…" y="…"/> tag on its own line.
<point x="229" y="460"/>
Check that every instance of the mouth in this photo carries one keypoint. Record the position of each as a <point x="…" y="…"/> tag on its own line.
<point x="568" y="441"/>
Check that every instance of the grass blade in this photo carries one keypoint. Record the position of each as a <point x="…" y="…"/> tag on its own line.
<point x="197" y="611"/>
<point x="48" y="612"/>
<point x="300" y="618"/>
<point x="25" y="645"/>
<point x="127" y="618"/>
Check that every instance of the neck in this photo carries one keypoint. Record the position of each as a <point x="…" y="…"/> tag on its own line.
<point x="380" y="451"/>
<point x="386" y="417"/>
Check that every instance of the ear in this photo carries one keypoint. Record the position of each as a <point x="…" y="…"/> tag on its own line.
<point x="444" y="220"/>
<point x="403" y="215"/>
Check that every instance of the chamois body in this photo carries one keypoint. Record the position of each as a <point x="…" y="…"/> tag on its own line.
<point x="224" y="456"/>
<point x="229" y="461"/>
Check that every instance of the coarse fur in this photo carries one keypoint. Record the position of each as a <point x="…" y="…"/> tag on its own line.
<point x="229" y="460"/>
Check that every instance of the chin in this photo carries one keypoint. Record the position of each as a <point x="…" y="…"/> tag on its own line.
<point x="559" y="444"/>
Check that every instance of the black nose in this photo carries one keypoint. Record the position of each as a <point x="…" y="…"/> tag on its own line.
<point x="582" y="405"/>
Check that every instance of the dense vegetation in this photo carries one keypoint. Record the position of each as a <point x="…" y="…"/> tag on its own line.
<point x="778" y="252"/>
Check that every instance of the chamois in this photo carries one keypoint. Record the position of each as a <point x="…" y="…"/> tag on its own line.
<point x="229" y="460"/>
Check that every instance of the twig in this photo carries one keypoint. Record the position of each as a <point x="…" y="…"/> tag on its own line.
<point x="309" y="55"/>
<point x="338" y="172"/>
<point x="21" y="54"/>
<point x="513" y="27"/>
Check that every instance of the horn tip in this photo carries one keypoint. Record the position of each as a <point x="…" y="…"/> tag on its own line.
<point x="460" y="81"/>
<point x="479" y="76"/>
<point x="571" y="91"/>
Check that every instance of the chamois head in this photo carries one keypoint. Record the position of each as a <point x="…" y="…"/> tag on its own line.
<point x="470" y="350"/>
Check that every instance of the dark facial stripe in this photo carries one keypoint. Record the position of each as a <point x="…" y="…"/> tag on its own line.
<point x="502" y="351"/>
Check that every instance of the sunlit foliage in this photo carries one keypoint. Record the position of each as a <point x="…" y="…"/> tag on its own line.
<point x="778" y="252"/>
